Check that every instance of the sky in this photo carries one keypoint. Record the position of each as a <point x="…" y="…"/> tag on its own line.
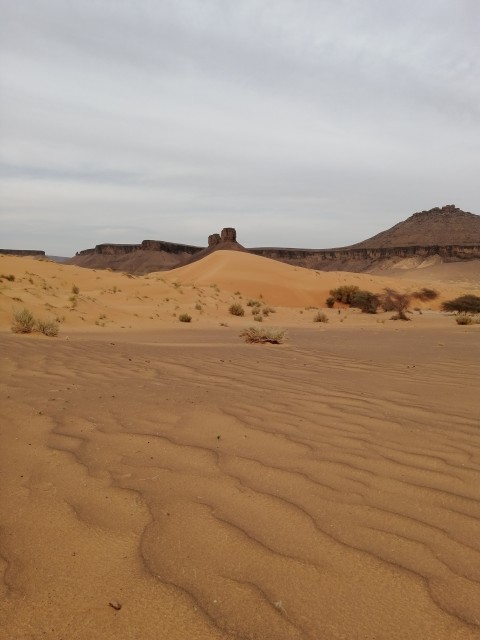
<point x="301" y="123"/>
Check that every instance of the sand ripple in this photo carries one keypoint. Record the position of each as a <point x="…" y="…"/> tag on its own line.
<point x="318" y="490"/>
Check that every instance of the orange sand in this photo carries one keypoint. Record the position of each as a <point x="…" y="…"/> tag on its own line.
<point x="325" y="488"/>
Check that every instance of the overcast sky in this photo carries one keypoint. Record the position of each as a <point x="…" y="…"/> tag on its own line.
<point x="310" y="123"/>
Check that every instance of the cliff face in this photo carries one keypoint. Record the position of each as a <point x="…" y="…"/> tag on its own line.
<point x="446" y="233"/>
<point x="152" y="255"/>
<point x="22" y="252"/>
<point x="362" y="259"/>
<point x="108" y="249"/>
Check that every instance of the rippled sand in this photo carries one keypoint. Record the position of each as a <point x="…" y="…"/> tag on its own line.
<point x="327" y="488"/>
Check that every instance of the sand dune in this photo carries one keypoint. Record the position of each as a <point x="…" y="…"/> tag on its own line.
<point x="325" y="488"/>
<point x="204" y="289"/>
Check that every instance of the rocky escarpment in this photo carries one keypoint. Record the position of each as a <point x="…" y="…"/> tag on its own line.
<point x="22" y="252"/>
<point x="446" y="234"/>
<point x="109" y="249"/>
<point x="365" y="259"/>
<point x="152" y="255"/>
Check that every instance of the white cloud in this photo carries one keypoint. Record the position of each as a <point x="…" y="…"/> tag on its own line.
<point x="299" y="122"/>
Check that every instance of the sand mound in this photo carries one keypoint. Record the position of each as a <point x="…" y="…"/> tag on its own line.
<point x="84" y="299"/>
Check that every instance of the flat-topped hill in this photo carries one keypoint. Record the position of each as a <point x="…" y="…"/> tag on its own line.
<point x="442" y="234"/>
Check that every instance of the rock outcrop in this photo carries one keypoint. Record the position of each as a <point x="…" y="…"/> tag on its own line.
<point x="22" y="252"/>
<point x="152" y="255"/>
<point x="444" y="233"/>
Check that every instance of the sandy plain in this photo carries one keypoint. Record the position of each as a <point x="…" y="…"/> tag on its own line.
<point x="326" y="488"/>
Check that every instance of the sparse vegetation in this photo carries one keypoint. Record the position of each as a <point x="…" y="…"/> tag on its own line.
<point x="320" y="317"/>
<point x="464" y="318"/>
<point x="330" y="301"/>
<point x="258" y="318"/>
<point x="23" y="321"/>
<point x="185" y="317"/>
<point x="344" y="293"/>
<point x="367" y="301"/>
<point x="75" y="290"/>
<point x="463" y="304"/>
<point x="47" y="327"/>
<point x="263" y="334"/>
<point x="236" y="309"/>
<point x="10" y="277"/>
<point x="392" y="300"/>
<point x="426" y="294"/>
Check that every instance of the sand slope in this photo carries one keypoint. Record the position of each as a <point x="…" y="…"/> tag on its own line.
<point x="325" y="488"/>
<point x="205" y="290"/>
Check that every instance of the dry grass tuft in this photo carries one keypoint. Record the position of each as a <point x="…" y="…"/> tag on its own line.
<point x="23" y="321"/>
<point x="236" y="309"/>
<point x="47" y="327"/>
<point x="263" y="335"/>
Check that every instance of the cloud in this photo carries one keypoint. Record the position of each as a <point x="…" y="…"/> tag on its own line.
<point x="297" y="121"/>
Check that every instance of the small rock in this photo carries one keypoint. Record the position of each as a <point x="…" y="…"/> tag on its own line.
<point x="115" y="604"/>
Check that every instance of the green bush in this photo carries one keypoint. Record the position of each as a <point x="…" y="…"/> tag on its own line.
<point x="463" y="304"/>
<point x="367" y="301"/>
<point x="184" y="317"/>
<point x="236" y="309"/>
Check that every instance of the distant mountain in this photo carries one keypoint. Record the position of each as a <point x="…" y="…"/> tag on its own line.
<point x="442" y="234"/>
<point x="443" y="226"/>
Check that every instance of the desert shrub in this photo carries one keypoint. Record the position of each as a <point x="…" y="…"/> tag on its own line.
<point x="23" y="321"/>
<point x="425" y="294"/>
<point x="47" y="327"/>
<point x="263" y="334"/>
<point x="75" y="290"/>
<point x="330" y="301"/>
<point x="367" y="301"/>
<point x="320" y="317"/>
<point x="344" y="293"/>
<point x="268" y="310"/>
<point x="392" y="300"/>
<point x="10" y="277"/>
<point x="236" y="309"/>
<point x="464" y="318"/>
<point x="258" y="318"/>
<point x="185" y="317"/>
<point x="198" y="307"/>
<point x="463" y="304"/>
<point x="253" y="303"/>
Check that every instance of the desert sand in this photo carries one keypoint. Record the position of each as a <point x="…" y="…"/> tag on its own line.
<point x="165" y="480"/>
